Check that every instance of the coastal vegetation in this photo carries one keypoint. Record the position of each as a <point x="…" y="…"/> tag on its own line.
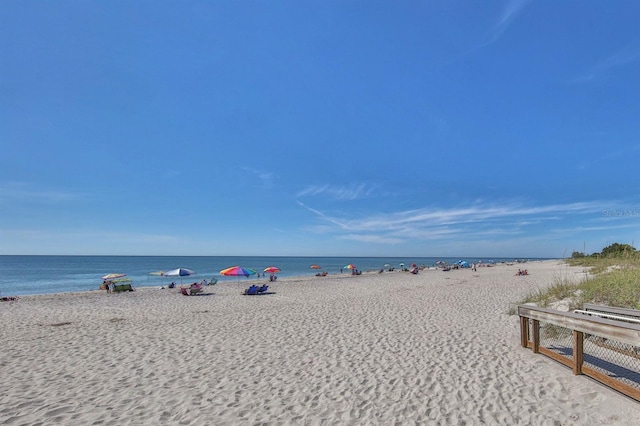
<point x="614" y="280"/>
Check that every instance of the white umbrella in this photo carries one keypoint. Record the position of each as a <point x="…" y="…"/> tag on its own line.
<point x="180" y="272"/>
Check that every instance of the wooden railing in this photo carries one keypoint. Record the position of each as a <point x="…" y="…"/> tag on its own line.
<point x="596" y="329"/>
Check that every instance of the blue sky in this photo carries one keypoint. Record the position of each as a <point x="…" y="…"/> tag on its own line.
<point x="346" y="128"/>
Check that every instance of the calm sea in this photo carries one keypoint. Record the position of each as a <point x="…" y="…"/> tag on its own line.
<point x="22" y="275"/>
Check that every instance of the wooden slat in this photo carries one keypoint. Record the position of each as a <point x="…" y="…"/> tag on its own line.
<point x="612" y="383"/>
<point x="609" y="329"/>
<point x="556" y="356"/>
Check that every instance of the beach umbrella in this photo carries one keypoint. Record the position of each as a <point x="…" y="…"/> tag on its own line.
<point x="315" y="267"/>
<point x="272" y="269"/>
<point x="349" y="266"/>
<point x="237" y="271"/>
<point x="179" y="272"/>
<point x="113" y="276"/>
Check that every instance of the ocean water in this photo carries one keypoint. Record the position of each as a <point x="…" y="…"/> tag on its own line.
<point x="23" y="275"/>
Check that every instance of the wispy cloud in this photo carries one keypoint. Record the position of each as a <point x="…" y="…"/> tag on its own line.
<point x="476" y="221"/>
<point x="81" y="241"/>
<point x="348" y="192"/>
<point x="458" y="216"/>
<point x="508" y="14"/>
<point x="609" y="156"/>
<point x="627" y="55"/>
<point x="376" y="239"/>
<point x="23" y="192"/>
<point x="511" y="10"/>
<point x="325" y="217"/>
<point x="265" y="177"/>
<point x="124" y="238"/>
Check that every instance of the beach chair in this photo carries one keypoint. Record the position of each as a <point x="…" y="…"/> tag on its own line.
<point x="251" y="291"/>
<point x="191" y="291"/>
<point x="263" y="289"/>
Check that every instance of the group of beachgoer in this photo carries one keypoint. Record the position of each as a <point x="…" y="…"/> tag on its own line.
<point x="522" y="272"/>
<point x="107" y="285"/>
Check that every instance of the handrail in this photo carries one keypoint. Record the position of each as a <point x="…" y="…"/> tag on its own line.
<point x="607" y="328"/>
<point x="610" y="316"/>
<point x="581" y="325"/>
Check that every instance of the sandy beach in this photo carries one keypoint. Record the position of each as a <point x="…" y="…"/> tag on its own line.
<point x="393" y="348"/>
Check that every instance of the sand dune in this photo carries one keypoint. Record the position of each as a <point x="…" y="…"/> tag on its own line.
<point x="392" y="348"/>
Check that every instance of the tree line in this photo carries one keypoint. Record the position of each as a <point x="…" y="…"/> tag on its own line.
<point x="613" y="250"/>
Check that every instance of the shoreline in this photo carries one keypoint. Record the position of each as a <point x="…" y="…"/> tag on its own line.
<point x="432" y="348"/>
<point x="263" y="280"/>
<point x="62" y="274"/>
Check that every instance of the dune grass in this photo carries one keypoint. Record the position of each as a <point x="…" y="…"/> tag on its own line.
<point x="614" y="281"/>
<point x="619" y="287"/>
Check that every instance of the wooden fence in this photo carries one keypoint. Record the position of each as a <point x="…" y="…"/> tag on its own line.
<point x="614" y="345"/>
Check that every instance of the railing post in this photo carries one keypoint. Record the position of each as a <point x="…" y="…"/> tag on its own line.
<point x="524" y="331"/>
<point x="578" y="352"/>
<point x="536" y="336"/>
